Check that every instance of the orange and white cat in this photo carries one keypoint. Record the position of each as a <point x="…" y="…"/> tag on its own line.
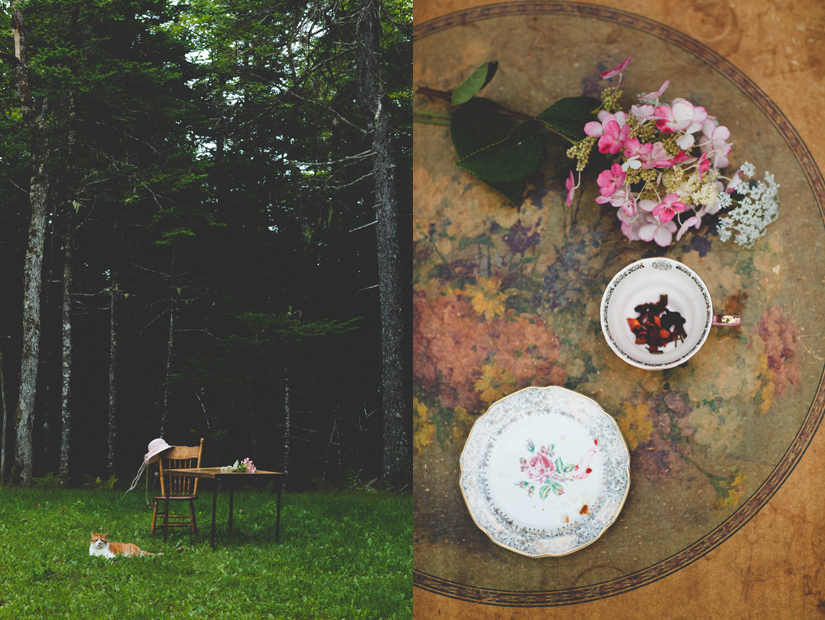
<point x="101" y="546"/>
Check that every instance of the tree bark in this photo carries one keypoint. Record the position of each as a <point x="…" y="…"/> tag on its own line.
<point x="170" y="347"/>
<point x="111" y="443"/>
<point x="113" y="358"/>
<point x="37" y="122"/>
<point x="375" y="106"/>
<point x="287" y="413"/>
<point x="65" y="400"/>
<point x="5" y="418"/>
<point x="66" y="339"/>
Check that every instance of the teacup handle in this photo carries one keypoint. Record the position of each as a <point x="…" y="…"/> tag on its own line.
<point x="726" y="320"/>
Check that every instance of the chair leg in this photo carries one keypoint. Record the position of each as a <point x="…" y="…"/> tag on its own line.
<point x="154" y="517"/>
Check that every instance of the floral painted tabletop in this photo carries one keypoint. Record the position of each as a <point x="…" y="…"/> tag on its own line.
<point x="507" y="297"/>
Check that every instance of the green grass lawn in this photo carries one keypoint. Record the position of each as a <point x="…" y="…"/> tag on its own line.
<point x="341" y="555"/>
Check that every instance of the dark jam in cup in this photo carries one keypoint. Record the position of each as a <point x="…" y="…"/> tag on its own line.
<point x="656" y="326"/>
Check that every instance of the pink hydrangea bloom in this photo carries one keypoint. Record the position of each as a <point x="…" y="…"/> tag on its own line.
<point x="668" y="208"/>
<point x="632" y="225"/>
<point x="643" y="112"/>
<point x="694" y="221"/>
<point x="660" y="232"/>
<point x="634" y="148"/>
<point x="685" y="142"/>
<point x="714" y="142"/>
<point x="654" y="96"/>
<point x="570" y="184"/>
<point x="597" y="128"/>
<point x="622" y="199"/>
<point x="605" y="75"/>
<point x="681" y="116"/>
<point x="647" y="205"/>
<point x="611" y="180"/>
<point x="703" y="165"/>
<point x="735" y="180"/>
<point x="614" y="138"/>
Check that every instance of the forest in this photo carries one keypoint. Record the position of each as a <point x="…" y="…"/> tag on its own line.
<point x="204" y="232"/>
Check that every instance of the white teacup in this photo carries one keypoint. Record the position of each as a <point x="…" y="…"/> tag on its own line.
<point x="644" y="282"/>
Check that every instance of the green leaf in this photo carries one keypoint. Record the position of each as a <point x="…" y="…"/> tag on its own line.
<point x="512" y="159"/>
<point x="473" y="127"/>
<point x="477" y="80"/>
<point x="545" y="490"/>
<point x="559" y="465"/>
<point x="557" y="489"/>
<point x="569" y="468"/>
<point x="569" y="116"/>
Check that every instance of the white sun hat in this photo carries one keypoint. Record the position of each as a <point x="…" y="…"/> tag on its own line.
<point x="156" y="446"/>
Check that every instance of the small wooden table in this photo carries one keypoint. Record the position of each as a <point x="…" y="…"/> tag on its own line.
<point x="215" y="473"/>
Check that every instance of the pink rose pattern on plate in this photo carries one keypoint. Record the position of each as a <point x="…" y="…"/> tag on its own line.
<point x="542" y="468"/>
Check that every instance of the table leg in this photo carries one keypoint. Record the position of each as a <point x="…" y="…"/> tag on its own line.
<point x="231" y="491"/>
<point x="214" y="505"/>
<point x="278" y="521"/>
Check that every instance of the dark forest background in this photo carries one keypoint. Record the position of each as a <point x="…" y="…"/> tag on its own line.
<point x="210" y="170"/>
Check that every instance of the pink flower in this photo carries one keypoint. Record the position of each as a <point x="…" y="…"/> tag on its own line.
<point x="694" y="221"/>
<point x="647" y="205"/>
<point x="735" y="180"/>
<point x="614" y="138"/>
<point x="662" y="160"/>
<point x="703" y="165"/>
<point x="621" y="199"/>
<point x="660" y="232"/>
<point x="598" y="128"/>
<point x="634" y="148"/>
<point x="611" y="180"/>
<point x="615" y="70"/>
<point x="682" y="116"/>
<point x="685" y="142"/>
<point x="667" y="210"/>
<point x="539" y="467"/>
<point x="570" y="184"/>
<point x="630" y="225"/>
<point x="643" y="112"/>
<point x="714" y="143"/>
<point x="654" y="96"/>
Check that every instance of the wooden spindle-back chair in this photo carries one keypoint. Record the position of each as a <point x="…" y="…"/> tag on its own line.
<point x="181" y="488"/>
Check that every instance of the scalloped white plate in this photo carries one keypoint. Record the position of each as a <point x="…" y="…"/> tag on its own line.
<point x="545" y="471"/>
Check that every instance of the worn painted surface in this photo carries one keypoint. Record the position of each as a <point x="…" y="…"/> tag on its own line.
<point x="506" y="298"/>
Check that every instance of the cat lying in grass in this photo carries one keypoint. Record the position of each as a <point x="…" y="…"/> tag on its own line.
<point x="101" y="546"/>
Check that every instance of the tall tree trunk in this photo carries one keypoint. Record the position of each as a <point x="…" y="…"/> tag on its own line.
<point x="375" y="106"/>
<point x="287" y="414"/>
<point x="33" y="267"/>
<point x="66" y="341"/>
<point x="5" y="417"/>
<point x="110" y="460"/>
<point x="170" y="346"/>
<point x="65" y="400"/>
<point x="113" y="355"/>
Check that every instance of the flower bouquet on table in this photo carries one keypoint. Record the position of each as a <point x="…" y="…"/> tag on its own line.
<point x="665" y="161"/>
<point x="245" y="466"/>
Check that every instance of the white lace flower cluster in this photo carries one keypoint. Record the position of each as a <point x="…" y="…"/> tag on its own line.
<point x="758" y="207"/>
